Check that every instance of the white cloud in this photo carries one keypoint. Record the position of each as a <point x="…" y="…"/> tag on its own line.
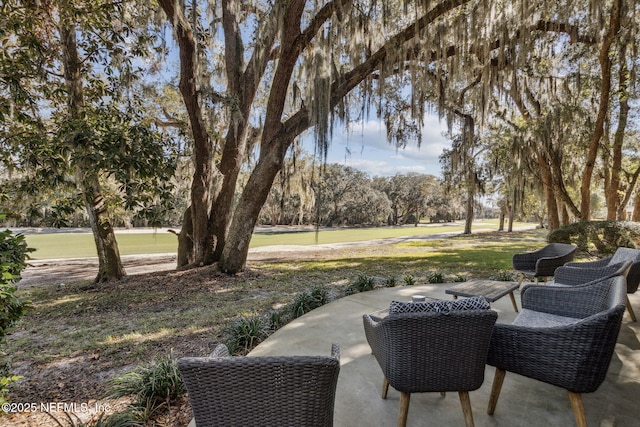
<point x="365" y="147"/>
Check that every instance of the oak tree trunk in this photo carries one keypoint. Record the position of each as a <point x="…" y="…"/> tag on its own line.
<point x="550" y="198"/>
<point x="109" y="263"/>
<point x="614" y="196"/>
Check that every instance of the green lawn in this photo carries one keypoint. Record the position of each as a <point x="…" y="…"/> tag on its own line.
<point x="75" y="245"/>
<point x="92" y="331"/>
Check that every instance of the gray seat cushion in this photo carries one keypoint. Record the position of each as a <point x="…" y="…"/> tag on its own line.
<point x="625" y="254"/>
<point x="537" y="319"/>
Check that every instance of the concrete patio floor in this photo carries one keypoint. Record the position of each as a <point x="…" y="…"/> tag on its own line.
<point x="523" y="402"/>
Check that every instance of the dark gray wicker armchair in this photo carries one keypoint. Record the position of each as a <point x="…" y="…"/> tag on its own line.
<point x="563" y="336"/>
<point x="602" y="267"/>
<point x="262" y="391"/>
<point x="543" y="262"/>
<point x="431" y="352"/>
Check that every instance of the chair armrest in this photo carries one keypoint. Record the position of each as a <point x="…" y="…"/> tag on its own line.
<point x="335" y="350"/>
<point x="373" y="333"/>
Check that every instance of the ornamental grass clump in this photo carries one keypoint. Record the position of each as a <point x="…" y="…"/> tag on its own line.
<point x="363" y="283"/>
<point x="503" y="276"/>
<point x="409" y="280"/>
<point x="245" y="333"/>
<point x="153" y="385"/>
<point x="309" y="300"/>
<point x="436" y="277"/>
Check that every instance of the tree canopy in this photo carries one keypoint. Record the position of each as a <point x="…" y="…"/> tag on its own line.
<point x="540" y="97"/>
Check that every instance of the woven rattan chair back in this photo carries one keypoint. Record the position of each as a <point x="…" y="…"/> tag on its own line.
<point x="262" y="391"/>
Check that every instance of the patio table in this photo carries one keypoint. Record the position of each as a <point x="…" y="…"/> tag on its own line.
<point x="492" y="290"/>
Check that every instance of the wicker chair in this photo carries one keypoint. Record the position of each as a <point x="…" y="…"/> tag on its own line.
<point x="261" y="391"/>
<point x="431" y="352"/>
<point x="604" y="265"/>
<point x="543" y="262"/>
<point x="564" y="336"/>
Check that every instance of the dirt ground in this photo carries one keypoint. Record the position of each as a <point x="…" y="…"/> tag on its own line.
<point x="70" y="270"/>
<point x="82" y="377"/>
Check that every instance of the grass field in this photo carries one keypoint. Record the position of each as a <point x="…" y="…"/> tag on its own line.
<point x="78" y="245"/>
<point x="77" y="336"/>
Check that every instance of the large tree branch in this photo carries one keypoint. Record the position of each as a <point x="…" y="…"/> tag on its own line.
<point x="603" y="108"/>
<point x="233" y="47"/>
<point x="300" y="121"/>
<point x="318" y="21"/>
<point x="290" y="50"/>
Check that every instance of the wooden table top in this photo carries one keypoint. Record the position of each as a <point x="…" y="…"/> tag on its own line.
<point x="492" y="290"/>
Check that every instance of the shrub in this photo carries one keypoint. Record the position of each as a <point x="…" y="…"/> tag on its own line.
<point x="409" y="280"/>
<point x="13" y="256"/>
<point x="503" y="276"/>
<point x="598" y="238"/>
<point x="245" y="333"/>
<point x="127" y="418"/>
<point x="390" y="282"/>
<point x="152" y="385"/>
<point x="278" y="318"/>
<point x="436" y="277"/>
<point x="362" y="283"/>
<point x="309" y="300"/>
<point x="459" y="278"/>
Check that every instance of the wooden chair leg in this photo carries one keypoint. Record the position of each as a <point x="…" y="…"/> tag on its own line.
<point x="498" y="379"/>
<point x="466" y="408"/>
<point x="578" y="409"/>
<point x="513" y="301"/>
<point x="404" y="409"/>
<point x="385" y="388"/>
<point x="630" y="310"/>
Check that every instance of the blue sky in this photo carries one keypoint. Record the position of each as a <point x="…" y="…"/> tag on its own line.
<point x="371" y="153"/>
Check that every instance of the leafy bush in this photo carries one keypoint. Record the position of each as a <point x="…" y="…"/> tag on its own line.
<point x="364" y="283"/>
<point x="13" y="256"/>
<point x="127" y="418"/>
<point x="309" y="300"/>
<point x="598" y="238"/>
<point x="459" y="278"/>
<point x="503" y="276"/>
<point x="390" y="282"/>
<point x="409" y="280"/>
<point x="436" y="277"/>
<point x="152" y="385"/>
<point x="278" y="318"/>
<point x="245" y="333"/>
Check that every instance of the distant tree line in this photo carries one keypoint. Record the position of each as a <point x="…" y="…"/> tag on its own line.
<point x="338" y="195"/>
<point x="305" y="193"/>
